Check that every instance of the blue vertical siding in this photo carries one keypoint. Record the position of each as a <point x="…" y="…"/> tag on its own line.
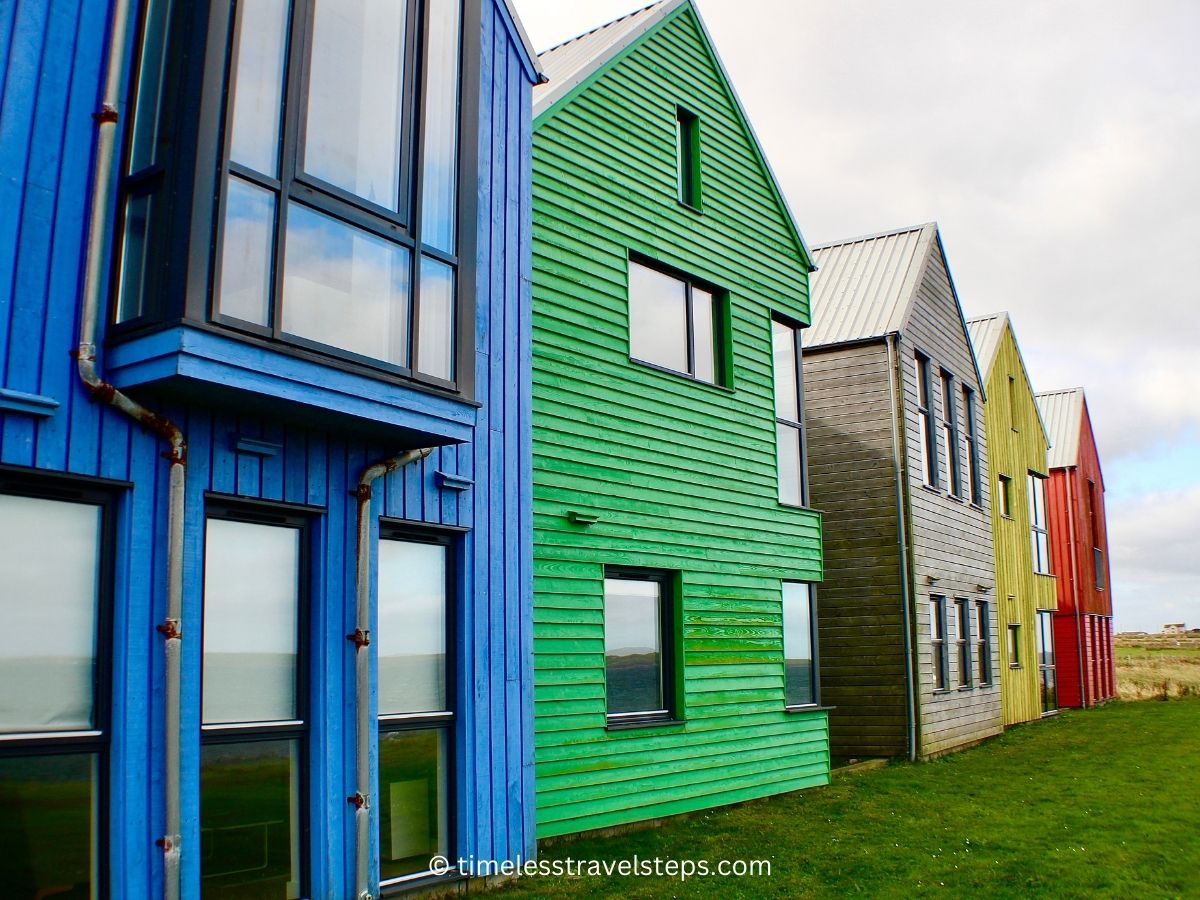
<point x="50" y="75"/>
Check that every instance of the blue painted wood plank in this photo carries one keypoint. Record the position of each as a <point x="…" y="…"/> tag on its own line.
<point x="272" y="463"/>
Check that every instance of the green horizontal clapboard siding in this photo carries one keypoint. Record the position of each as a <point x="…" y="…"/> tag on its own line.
<point x="680" y="475"/>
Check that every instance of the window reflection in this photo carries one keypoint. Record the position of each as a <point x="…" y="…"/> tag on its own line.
<point x="413" y="813"/>
<point x="787" y="400"/>
<point x="258" y="91"/>
<point x="633" y="645"/>
<point x="412" y="627"/>
<point x="436" y="347"/>
<point x="440" y="134"/>
<point x="788" y="440"/>
<point x="657" y="318"/>
<point x="246" y="252"/>
<point x="799" y="687"/>
<point x="703" y="309"/>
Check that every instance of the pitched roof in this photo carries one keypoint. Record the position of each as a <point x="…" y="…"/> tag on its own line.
<point x="1062" y="411"/>
<point x="986" y="333"/>
<point x="513" y="22"/>
<point x="865" y="285"/>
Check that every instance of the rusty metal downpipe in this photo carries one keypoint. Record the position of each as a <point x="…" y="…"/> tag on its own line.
<point x="101" y="391"/>
<point x="361" y="638"/>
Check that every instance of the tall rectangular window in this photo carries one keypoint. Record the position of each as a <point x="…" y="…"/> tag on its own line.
<point x="799" y="669"/>
<point x="1039" y="536"/>
<point x="983" y="641"/>
<point x="789" y="413"/>
<point x="687" y="157"/>
<point x="937" y="636"/>
<point x="927" y="422"/>
<point x="1004" y="495"/>
<point x="639" y="639"/>
<point x="1014" y="645"/>
<point x="673" y="323"/>
<point x="1012" y="403"/>
<point x="1094" y="531"/>
<point x="950" y="432"/>
<point x="974" y="470"/>
<point x="253" y="719"/>
<point x="962" y="615"/>
<point x="1047" y="672"/>
<point x="415" y="713"/>
<point x="56" y="560"/>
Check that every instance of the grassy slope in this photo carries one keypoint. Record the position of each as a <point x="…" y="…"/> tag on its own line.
<point x="1101" y="802"/>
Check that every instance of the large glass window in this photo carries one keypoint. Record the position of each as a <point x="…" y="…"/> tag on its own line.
<point x="937" y="637"/>
<point x="638" y="646"/>
<point x="673" y="323"/>
<point x="1039" y="535"/>
<point x="974" y="470"/>
<point x="337" y="212"/>
<point x="1046" y="667"/>
<point x="927" y="422"/>
<point x="799" y="658"/>
<point x="53" y="689"/>
<point x="789" y="413"/>
<point x="252" y="757"/>
<point x="415" y="715"/>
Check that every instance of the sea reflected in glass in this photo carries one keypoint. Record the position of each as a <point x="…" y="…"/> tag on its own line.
<point x="345" y="287"/>
<point x="633" y="645"/>
<point x="436" y="338"/>
<point x="258" y="85"/>
<point x="251" y="585"/>
<point x="657" y="318"/>
<point x="250" y="814"/>
<point x="49" y="560"/>
<point x="412" y="801"/>
<point x="411" y="634"/>
<point x="440" y="129"/>
<point x="788" y="440"/>
<point x="797" y="644"/>
<point x="353" y="127"/>
<point x="247" y="247"/>
<point x="702" y="335"/>
<point x="49" y="826"/>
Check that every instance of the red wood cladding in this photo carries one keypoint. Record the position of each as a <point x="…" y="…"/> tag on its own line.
<point x="1083" y="623"/>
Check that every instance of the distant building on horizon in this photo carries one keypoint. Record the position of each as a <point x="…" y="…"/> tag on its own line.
<point x="1175" y="628"/>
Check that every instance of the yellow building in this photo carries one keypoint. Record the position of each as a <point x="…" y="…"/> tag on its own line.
<point x="1025" y="589"/>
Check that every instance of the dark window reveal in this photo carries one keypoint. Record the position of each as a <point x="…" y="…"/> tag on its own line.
<point x="687" y="155"/>
<point x="638" y="647"/>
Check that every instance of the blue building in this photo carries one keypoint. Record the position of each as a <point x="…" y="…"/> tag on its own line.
<point x="265" y="569"/>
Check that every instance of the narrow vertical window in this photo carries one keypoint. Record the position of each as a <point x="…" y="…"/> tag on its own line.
<point x="1012" y="403"/>
<point x="962" y="615"/>
<point x="415" y="714"/>
<point x="1046" y="667"/>
<point x="937" y="635"/>
<point x="1014" y="645"/>
<point x="1039" y="536"/>
<point x="1094" y="531"/>
<point x="789" y="413"/>
<point x="638" y="647"/>
<point x="673" y="323"/>
<point x="927" y="422"/>
<point x="974" y="471"/>
<point x="1004" y="495"/>
<point x="950" y="432"/>
<point x="983" y="641"/>
<point x="687" y="156"/>
<point x="53" y="691"/>
<point x="799" y="671"/>
<point x="253" y="711"/>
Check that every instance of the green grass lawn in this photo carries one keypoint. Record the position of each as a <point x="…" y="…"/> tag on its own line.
<point x="1153" y="652"/>
<point x="1103" y="802"/>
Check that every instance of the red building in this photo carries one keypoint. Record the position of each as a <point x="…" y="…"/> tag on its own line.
<point x="1083" y="634"/>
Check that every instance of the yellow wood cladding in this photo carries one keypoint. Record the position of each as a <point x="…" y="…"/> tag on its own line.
<point x="1017" y="445"/>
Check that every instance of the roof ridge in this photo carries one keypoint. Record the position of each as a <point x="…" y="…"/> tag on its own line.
<point x="591" y="31"/>
<point x="876" y="236"/>
<point x="987" y="316"/>
<point x="1070" y="390"/>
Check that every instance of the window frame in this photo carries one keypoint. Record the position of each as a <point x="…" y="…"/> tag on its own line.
<point x="722" y="377"/>
<point x="974" y="470"/>
<point x="950" y="433"/>
<point x="446" y="722"/>
<point x="814" y="656"/>
<point x="1045" y="637"/>
<point x="983" y="642"/>
<point x="799" y="426"/>
<point x="1094" y="532"/>
<point x="671" y="656"/>
<point x="687" y="159"/>
<point x="1039" y="527"/>
<point x="95" y="741"/>
<point x="927" y="421"/>
<point x="1014" y="645"/>
<point x="1004" y="495"/>
<point x="939" y="652"/>
<point x="300" y="729"/>
<point x="962" y="640"/>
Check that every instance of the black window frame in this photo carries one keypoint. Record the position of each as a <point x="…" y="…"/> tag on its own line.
<point x="974" y="470"/>
<point x="927" y="417"/>
<point x="1037" y="486"/>
<point x="190" y="183"/>
<point x="939" y="652"/>
<point x="950" y="432"/>
<point x="687" y="159"/>
<point x="1047" y="672"/>
<point x="669" y="618"/>
<point x="815" y="660"/>
<point x="1094" y="532"/>
<point x="722" y="371"/>
<point x="1014" y="645"/>
<point x="300" y="730"/>
<point x="1012" y="403"/>
<point x="446" y="722"/>
<point x="962" y="640"/>
<point x="95" y="741"/>
<point x="983" y="642"/>
<point x="798" y="426"/>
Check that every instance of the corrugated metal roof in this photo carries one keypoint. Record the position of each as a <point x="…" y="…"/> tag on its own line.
<point x="570" y="63"/>
<point x="864" y="285"/>
<point x="1062" y="411"/>
<point x="986" y="332"/>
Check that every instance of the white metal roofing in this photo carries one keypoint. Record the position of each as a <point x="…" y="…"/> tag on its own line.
<point x="986" y="332"/>
<point x="1062" y="411"/>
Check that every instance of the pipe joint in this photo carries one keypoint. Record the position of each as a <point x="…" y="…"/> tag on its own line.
<point x="170" y="629"/>
<point x="360" y="638"/>
<point x="359" y="801"/>
<point x="106" y="115"/>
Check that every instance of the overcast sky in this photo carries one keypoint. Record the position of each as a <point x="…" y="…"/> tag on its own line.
<point x="1057" y="144"/>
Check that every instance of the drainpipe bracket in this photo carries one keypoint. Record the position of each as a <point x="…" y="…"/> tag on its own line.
<point x="360" y="638"/>
<point x="170" y="630"/>
<point x="359" y="800"/>
<point x="107" y="114"/>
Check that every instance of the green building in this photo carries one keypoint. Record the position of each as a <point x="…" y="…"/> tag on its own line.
<point x="675" y="553"/>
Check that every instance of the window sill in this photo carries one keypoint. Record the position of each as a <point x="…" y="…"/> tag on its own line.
<point x="1046" y="575"/>
<point x="694" y="209"/>
<point x="934" y="489"/>
<point x="686" y="376"/>
<point x="1014" y="665"/>
<point x="797" y="506"/>
<point x="941" y="692"/>
<point x="633" y="724"/>
<point x="808" y="708"/>
<point x="421" y="882"/>
<point x="965" y="688"/>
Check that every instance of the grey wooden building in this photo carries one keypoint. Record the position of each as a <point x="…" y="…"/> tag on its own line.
<point x="898" y="465"/>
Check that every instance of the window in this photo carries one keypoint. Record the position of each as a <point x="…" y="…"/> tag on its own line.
<point x="950" y="432"/>
<point x="1004" y="495"/>
<point x="799" y="663"/>
<point x="415" y="713"/>
<point x="1012" y="403"/>
<point x="1094" y="531"/>
<point x="974" y="471"/>
<point x="962" y="615"/>
<point x="1046" y="668"/>
<point x="639" y="639"/>
<point x="55" y="553"/>
<point x="789" y="413"/>
<point x="335" y="177"/>
<point x="1014" y="645"/>
<point x="687" y="156"/>
<point x="927" y="422"/>
<point x="1037" y="517"/>
<point x="983" y="641"/>
<point x="253" y="706"/>
<point x="937" y="632"/>
<point x="672" y="323"/>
